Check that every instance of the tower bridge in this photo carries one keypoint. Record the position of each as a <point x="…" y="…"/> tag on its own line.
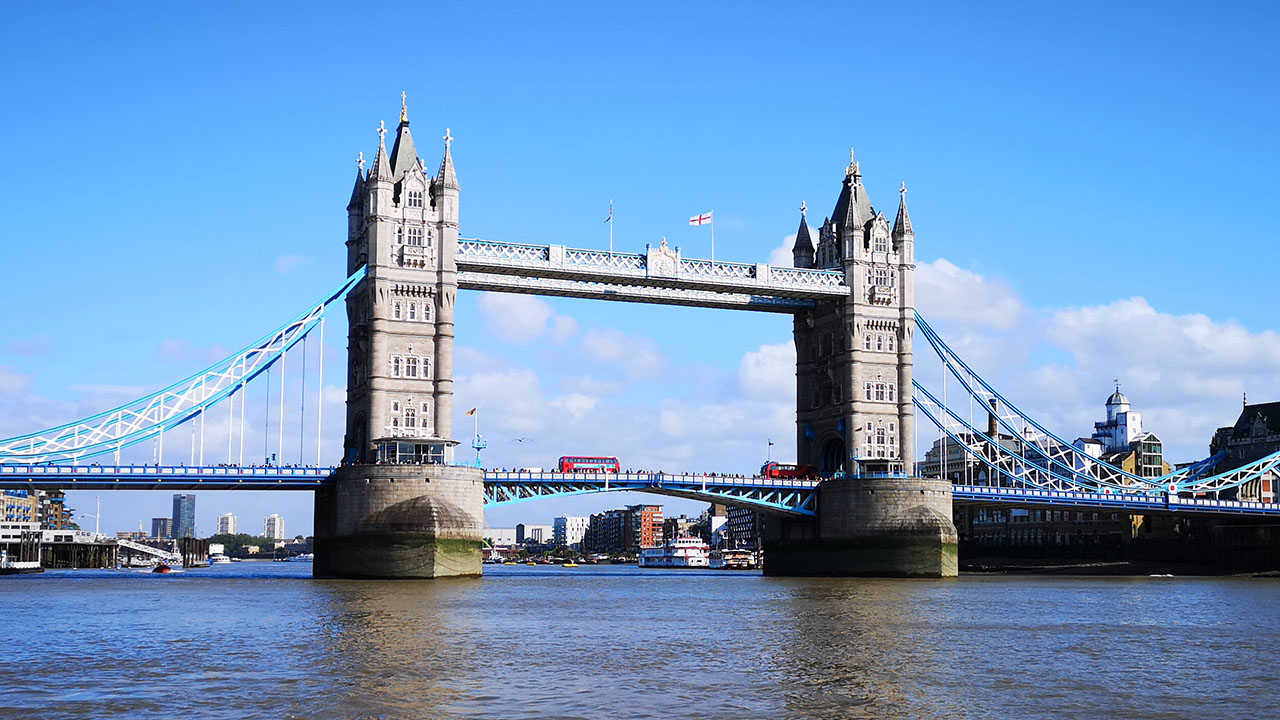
<point x="400" y="505"/>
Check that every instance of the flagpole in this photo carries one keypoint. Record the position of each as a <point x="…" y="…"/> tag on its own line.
<point x="713" y="236"/>
<point x="611" y="226"/>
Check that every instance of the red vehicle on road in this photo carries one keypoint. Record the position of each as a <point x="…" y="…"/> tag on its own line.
<point x="789" y="471"/>
<point x="581" y="464"/>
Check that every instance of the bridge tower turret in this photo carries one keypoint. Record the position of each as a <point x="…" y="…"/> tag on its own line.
<point x="397" y="508"/>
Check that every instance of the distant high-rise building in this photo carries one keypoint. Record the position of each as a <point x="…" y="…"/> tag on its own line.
<point x="273" y="527"/>
<point x="227" y="524"/>
<point x="628" y="530"/>
<point x="537" y="534"/>
<point x="568" y="530"/>
<point x="161" y="527"/>
<point x="184" y="516"/>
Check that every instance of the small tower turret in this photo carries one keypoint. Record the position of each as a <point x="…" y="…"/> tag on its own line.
<point x="802" y="252"/>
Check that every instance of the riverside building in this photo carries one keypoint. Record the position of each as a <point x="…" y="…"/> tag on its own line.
<point x="273" y="527"/>
<point x="184" y="516"/>
<point x="568" y="531"/>
<point x="227" y="524"/>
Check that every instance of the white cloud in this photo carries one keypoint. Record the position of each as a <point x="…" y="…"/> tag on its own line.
<point x="947" y="292"/>
<point x="288" y="263"/>
<point x="782" y="256"/>
<point x="524" y="318"/>
<point x="769" y="373"/>
<point x="30" y="347"/>
<point x="640" y="356"/>
<point x="13" y="382"/>
<point x="576" y="404"/>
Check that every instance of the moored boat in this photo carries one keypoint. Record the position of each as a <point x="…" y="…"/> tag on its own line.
<point x="685" y="552"/>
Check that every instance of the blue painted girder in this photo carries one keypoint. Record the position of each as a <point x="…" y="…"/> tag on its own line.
<point x="781" y="497"/>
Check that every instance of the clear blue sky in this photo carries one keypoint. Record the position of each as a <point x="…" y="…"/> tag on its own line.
<point x="179" y="176"/>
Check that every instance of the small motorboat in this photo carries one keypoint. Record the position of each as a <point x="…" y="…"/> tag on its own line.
<point x="532" y="564"/>
<point x="570" y="564"/>
<point x="161" y="568"/>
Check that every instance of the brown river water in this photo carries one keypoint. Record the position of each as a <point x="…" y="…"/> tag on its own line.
<point x="264" y="640"/>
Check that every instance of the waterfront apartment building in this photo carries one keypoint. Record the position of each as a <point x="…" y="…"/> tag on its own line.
<point x="54" y="514"/>
<point x="568" y="531"/>
<point x="227" y="524"/>
<point x="273" y="527"/>
<point x="19" y="506"/>
<point x="184" y="515"/>
<point x="162" y="528"/>
<point x="628" y="530"/>
<point x="533" y="534"/>
<point x="1255" y="434"/>
<point x="742" y="529"/>
<point x="677" y="527"/>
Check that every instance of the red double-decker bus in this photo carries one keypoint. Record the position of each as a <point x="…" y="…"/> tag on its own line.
<point x="778" y="470"/>
<point x="583" y="464"/>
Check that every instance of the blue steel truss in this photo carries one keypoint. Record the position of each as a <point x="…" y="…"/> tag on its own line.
<point x="162" y="477"/>
<point x="151" y="415"/>
<point x="1046" y="461"/>
<point x="781" y="497"/>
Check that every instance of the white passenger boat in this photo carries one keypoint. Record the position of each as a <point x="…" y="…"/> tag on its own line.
<point x="219" y="559"/>
<point x="685" y="552"/>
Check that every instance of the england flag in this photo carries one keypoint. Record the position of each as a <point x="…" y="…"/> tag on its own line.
<point x="703" y="219"/>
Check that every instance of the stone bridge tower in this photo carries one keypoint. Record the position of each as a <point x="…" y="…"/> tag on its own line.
<point x="854" y="416"/>
<point x="402" y="224"/>
<point x="853" y="356"/>
<point x="396" y="508"/>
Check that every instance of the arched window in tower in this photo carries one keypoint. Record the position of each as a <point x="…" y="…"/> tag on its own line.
<point x="410" y="417"/>
<point x="890" y="342"/>
<point x="395" y="310"/>
<point x="415" y="198"/>
<point x="431" y="238"/>
<point x="880" y="242"/>
<point x="400" y="236"/>
<point x="880" y="392"/>
<point x="879" y="342"/>
<point x="426" y="367"/>
<point x="893" y="391"/>
<point x="411" y="367"/>
<point x="413" y="311"/>
<point x="866" y="341"/>
<point x="426" y="311"/>
<point x="395" y="366"/>
<point x="415" y="236"/>
<point x="870" y="390"/>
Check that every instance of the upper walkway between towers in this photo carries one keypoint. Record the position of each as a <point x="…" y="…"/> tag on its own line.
<point x="658" y="275"/>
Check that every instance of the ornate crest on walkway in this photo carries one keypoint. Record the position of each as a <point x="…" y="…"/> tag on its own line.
<point x="663" y="261"/>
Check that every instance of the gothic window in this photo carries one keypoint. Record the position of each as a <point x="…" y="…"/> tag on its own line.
<point x="869" y="390"/>
<point x="395" y="310"/>
<point x="866" y="341"/>
<point x="430" y="238"/>
<point x="415" y="198"/>
<point x="395" y="366"/>
<point x="879" y="392"/>
<point x="426" y="312"/>
<point x="892" y="391"/>
<point x="426" y="367"/>
<point x="881" y="243"/>
<point x="411" y="367"/>
<point x="413" y="311"/>
<point x="415" y="236"/>
<point x="889" y="342"/>
<point x="410" y="417"/>
<point x="879" y="342"/>
<point x="880" y="436"/>
<point x="399" y="236"/>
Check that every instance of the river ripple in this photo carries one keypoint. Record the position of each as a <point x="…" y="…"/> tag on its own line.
<point x="264" y="640"/>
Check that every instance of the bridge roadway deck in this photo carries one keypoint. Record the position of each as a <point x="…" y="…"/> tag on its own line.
<point x="788" y="497"/>
<point x="653" y="277"/>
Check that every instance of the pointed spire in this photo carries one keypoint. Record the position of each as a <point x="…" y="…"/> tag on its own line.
<point x="902" y="225"/>
<point x="447" y="177"/>
<point x="381" y="168"/>
<point x="804" y="243"/>
<point x="403" y="154"/>
<point x="357" y="192"/>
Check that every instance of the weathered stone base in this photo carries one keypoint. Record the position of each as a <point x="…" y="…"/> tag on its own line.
<point x="399" y="521"/>
<point x="868" y="527"/>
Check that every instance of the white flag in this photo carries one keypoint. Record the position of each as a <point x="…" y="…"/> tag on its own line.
<point x="702" y="219"/>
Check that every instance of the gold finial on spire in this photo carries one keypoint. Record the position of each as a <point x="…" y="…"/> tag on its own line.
<point x="360" y="160"/>
<point x="447" y="138"/>
<point x="853" y="165"/>
<point x="404" y="108"/>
